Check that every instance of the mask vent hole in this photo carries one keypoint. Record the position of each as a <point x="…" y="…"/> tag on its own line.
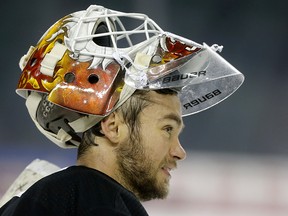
<point x="93" y="79"/>
<point x="69" y="77"/>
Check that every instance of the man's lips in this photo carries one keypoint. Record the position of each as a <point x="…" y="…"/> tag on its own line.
<point x="168" y="169"/>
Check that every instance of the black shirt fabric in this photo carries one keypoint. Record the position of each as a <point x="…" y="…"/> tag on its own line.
<point x="77" y="190"/>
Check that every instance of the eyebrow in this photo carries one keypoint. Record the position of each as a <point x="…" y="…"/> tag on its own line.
<point x="175" y="118"/>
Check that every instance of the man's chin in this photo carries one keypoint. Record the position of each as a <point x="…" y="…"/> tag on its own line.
<point x="159" y="191"/>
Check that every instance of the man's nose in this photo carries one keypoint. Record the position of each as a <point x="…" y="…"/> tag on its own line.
<point x="177" y="151"/>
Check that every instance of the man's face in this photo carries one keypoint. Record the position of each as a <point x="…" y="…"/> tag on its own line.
<point x="145" y="165"/>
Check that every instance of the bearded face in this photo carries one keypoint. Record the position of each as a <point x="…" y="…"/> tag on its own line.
<point x="148" y="154"/>
<point x="140" y="173"/>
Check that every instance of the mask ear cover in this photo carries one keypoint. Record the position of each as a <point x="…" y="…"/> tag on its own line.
<point x="104" y="41"/>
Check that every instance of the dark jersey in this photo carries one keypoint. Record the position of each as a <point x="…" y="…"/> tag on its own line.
<point x="77" y="190"/>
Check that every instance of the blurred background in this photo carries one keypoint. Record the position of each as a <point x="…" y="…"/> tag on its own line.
<point x="236" y="151"/>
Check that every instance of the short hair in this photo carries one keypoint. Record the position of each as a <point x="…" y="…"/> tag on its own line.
<point x="130" y="111"/>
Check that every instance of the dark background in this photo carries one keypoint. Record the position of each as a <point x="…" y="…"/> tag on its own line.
<point x="254" y="34"/>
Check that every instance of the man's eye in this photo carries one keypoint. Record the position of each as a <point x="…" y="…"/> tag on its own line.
<point x="168" y="129"/>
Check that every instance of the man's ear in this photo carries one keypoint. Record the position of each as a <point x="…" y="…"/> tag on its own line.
<point x="111" y="127"/>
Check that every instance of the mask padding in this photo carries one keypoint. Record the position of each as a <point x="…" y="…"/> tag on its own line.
<point x="52" y="117"/>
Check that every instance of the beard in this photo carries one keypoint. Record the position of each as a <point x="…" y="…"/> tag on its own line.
<point x="138" y="173"/>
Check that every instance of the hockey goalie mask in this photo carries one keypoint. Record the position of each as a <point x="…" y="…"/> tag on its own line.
<point x="89" y="62"/>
